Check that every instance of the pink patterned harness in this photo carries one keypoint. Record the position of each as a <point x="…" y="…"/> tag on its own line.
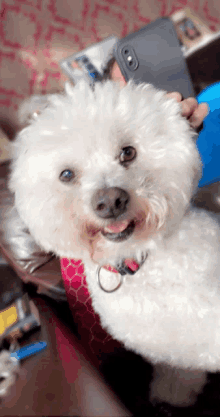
<point x="93" y="337"/>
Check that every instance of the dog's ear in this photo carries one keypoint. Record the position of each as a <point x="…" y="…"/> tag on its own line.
<point x="32" y="107"/>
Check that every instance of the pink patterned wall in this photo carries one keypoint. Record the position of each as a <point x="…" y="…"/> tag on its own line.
<point x="36" y="34"/>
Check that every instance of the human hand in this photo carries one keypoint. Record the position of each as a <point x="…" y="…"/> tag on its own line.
<point x="191" y="109"/>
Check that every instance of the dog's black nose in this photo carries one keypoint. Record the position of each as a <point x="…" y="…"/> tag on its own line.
<point x="109" y="203"/>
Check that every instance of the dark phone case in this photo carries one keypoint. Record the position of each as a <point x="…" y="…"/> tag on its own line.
<point x="153" y="55"/>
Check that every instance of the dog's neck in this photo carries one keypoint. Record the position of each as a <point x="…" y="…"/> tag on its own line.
<point x="127" y="267"/>
<point x="130" y="266"/>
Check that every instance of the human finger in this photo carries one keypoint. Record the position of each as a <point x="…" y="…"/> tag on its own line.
<point x="189" y="106"/>
<point x="177" y="96"/>
<point x="199" y="115"/>
<point x="116" y="75"/>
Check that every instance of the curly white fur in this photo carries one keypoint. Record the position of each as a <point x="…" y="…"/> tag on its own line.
<point x="169" y="311"/>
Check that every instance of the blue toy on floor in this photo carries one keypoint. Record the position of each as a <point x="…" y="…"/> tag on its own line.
<point x="209" y="138"/>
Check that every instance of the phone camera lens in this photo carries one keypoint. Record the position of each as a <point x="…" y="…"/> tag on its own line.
<point x="130" y="60"/>
<point x="85" y="60"/>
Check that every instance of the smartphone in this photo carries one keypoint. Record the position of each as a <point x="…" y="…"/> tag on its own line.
<point x="154" y="55"/>
<point x="90" y="63"/>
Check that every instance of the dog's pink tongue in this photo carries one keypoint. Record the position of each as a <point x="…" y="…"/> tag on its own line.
<point x="117" y="227"/>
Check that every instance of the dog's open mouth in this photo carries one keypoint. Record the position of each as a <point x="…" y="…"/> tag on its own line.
<point x="119" y="231"/>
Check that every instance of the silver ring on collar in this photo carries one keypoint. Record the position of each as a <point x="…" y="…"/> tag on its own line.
<point x="100" y="284"/>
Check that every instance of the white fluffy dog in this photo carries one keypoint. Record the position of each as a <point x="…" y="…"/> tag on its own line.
<point x="106" y="176"/>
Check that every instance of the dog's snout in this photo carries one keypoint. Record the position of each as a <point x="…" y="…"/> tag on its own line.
<point x="110" y="202"/>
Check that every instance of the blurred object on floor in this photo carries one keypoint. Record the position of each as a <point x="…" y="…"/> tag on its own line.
<point x="59" y="380"/>
<point x="18" y="314"/>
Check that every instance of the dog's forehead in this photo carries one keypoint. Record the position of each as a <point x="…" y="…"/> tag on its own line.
<point x="94" y="145"/>
<point x="85" y="145"/>
<point x="92" y="130"/>
<point x="82" y="135"/>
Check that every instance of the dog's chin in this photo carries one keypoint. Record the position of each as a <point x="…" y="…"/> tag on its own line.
<point x="122" y="235"/>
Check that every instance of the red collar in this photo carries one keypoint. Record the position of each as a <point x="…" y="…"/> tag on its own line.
<point x="128" y="267"/>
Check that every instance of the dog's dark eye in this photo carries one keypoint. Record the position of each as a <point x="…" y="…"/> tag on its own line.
<point x="67" y="175"/>
<point x="127" y="155"/>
